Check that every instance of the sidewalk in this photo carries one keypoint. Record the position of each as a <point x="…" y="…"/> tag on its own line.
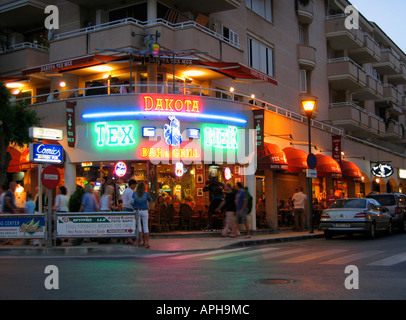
<point x="174" y="242"/>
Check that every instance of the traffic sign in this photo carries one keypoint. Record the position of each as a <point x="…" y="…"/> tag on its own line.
<point x="50" y="177"/>
<point x="311" y="161"/>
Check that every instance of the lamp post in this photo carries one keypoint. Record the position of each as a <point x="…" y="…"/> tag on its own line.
<point x="308" y="106"/>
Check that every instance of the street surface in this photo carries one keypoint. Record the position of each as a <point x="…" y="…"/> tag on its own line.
<point x="311" y="269"/>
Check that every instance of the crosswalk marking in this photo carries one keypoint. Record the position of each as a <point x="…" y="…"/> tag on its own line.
<point x="352" y="257"/>
<point x="272" y="255"/>
<point x="196" y="255"/>
<point x="239" y="254"/>
<point x="390" y="261"/>
<point x="312" y="256"/>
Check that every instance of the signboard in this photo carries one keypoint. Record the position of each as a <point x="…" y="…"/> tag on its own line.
<point x="70" y="123"/>
<point x="22" y="226"/>
<point x="336" y="144"/>
<point x="50" y="177"/>
<point x="311" y="173"/>
<point x="311" y="161"/>
<point x="382" y="170"/>
<point x="46" y="153"/>
<point x="259" y="121"/>
<point x="103" y="225"/>
<point x="45" y="133"/>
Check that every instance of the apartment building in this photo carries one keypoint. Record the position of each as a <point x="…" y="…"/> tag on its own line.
<point x="233" y="57"/>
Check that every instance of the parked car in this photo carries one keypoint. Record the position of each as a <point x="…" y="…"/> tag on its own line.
<point x="396" y="204"/>
<point x="357" y="215"/>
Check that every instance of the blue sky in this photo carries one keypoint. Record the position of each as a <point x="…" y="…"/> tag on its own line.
<point x="389" y="15"/>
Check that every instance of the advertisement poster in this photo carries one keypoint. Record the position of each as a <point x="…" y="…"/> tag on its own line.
<point x="22" y="226"/>
<point x="97" y="226"/>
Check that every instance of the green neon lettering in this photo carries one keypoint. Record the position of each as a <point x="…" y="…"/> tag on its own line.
<point x="113" y="135"/>
<point x="224" y="138"/>
<point x="127" y="134"/>
<point x="100" y="128"/>
<point x="117" y="135"/>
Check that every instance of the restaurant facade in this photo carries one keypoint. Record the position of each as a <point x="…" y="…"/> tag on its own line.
<point x="218" y="97"/>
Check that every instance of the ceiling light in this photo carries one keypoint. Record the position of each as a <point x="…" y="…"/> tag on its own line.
<point x="193" y="73"/>
<point x="14" y="85"/>
<point x="101" y="68"/>
<point x="62" y="84"/>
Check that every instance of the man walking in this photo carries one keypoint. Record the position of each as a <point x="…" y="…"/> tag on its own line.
<point x="299" y="199"/>
<point x="241" y="201"/>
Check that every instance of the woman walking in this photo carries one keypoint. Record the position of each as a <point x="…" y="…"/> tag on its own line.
<point x="140" y="204"/>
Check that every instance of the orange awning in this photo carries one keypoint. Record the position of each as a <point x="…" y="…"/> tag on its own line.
<point x="297" y="160"/>
<point x="350" y="170"/>
<point x="237" y="71"/>
<point x="327" y="167"/>
<point x="272" y="157"/>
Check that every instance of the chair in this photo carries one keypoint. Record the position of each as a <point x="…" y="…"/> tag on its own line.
<point x="186" y="213"/>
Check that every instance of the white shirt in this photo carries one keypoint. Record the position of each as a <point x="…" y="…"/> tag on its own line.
<point x="299" y="199"/>
<point x="61" y="203"/>
<point x="127" y="196"/>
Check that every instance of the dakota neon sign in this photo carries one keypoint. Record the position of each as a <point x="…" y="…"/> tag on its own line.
<point x="169" y="104"/>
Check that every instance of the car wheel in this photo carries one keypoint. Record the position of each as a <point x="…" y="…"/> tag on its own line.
<point x="328" y="234"/>
<point x="390" y="228"/>
<point x="372" y="231"/>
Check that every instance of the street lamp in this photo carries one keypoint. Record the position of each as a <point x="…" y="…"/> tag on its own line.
<point x="308" y="106"/>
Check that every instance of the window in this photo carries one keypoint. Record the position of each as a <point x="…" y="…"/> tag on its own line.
<point x="260" y="57"/>
<point x="261" y="7"/>
<point x="303" y="81"/>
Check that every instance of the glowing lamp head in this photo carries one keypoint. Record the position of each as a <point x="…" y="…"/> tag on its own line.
<point x="308" y="106"/>
<point x="155" y="48"/>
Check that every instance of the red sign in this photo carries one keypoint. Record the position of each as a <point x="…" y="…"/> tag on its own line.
<point x="336" y="144"/>
<point x="50" y="177"/>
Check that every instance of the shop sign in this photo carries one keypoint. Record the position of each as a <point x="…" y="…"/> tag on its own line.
<point x="120" y="169"/>
<point x="159" y="153"/>
<point x="172" y="134"/>
<point x="382" y="170"/>
<point x="46" y="153"/>
<point x="224" y="138"/>
<point x="114" y="135"/>
<point x="402" y="173"/>
<point x="70" y="123"/>
<point x="97" y="225"/>
<point x="336" y="144"/>
<point x="227" y="173"/>
<point x="158" y="103"/>
<point x="259" y="121"/>
<point x="24" y="226"/>
<point x="45" y="133"/>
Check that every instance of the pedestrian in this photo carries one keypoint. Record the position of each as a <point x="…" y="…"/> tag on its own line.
<point x="141" y="200"/>
<point x="3" y="190"/>
<point x="29" y="206"/>
<point x="228" y="204"/>
<point x="331" y="198"/>
<point x="89" y="202"/>
<point x="215" y="189"/>
<point x="9" y="202"/>
<point x="299" y="199"/>
<point x="241" y="202"/>
<point x="106" y="200"/>
<point x="127" y="196"/>
<point x="61" y="200"/>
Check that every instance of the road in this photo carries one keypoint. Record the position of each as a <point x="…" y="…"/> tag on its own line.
<point x="311" y="269"/>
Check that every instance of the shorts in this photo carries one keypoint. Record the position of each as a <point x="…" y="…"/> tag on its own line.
<point x="241" y="217"/>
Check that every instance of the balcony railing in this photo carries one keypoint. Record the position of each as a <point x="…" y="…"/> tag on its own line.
<point x="23" y="45"/>
<point x="144" y="24"/>
<point x="93" y="92"/>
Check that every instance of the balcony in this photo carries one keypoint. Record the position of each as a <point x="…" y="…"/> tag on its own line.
<point x="369" y="53"/>
<point x="306" y="56"/>
<point x="392" y="94"/>
<point x="345" y="74"/>
<point x="187" y="35"/>
<point x="372" y="91"/>
<point x="21" y="56"/>
<point x="394" y="131"/>
<point x="399" y="78"/>
<point x="349" y="116"/>
<point x="305" y="14"/>
<point x="341" y="38"/>
<point x="389" y="64"/>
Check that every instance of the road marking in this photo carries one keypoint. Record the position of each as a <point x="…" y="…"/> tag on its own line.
<point x="352" y="257"/>
<point x="215" y="252"/>
<point x="312" y="256"/>
<point x="390" y="261"/>
<point x="272" y="255"/>
<point x="239" y="254"/>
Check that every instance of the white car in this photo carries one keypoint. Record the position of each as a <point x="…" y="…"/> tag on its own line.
<point x="358" y="215"/>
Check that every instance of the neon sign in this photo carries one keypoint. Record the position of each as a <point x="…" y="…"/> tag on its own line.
<point x="172" y="133"/>
<point x="179" y="169"/>
<point x="227" y="173"/>
<point x="114" y="135"/>
<point x="225" y="138"/>
<point x="170" y="104"/>
<point x="185" y="153"/>
<point x="382" y="170"/>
